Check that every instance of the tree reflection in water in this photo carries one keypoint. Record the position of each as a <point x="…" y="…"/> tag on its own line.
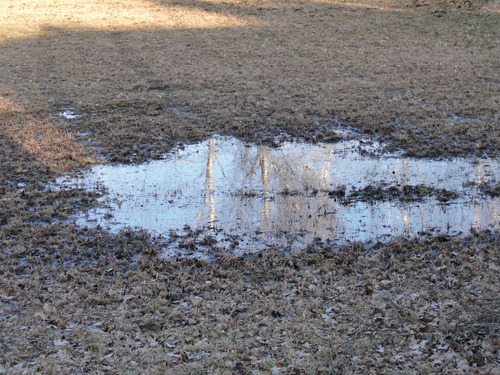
<point x="281" y="195"/>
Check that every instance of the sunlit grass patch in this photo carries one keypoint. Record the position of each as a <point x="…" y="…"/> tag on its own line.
<point x="47" y="143"/>
<point x="27" y="19"/>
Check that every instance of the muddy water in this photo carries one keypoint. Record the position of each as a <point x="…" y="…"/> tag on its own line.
<point x="249" y="197"/>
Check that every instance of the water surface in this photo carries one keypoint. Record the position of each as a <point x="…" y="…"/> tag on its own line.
<point x="250" y="197"/>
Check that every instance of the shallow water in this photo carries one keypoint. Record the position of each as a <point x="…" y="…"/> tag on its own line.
<point x="252" y="197"/>
<point x="68" y="114"/>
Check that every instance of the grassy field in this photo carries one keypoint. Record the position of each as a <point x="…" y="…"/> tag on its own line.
<point x="147" y="73"/>
<point x="143" y="76"/>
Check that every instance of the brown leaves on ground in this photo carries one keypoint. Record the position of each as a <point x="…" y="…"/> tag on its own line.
<point x="407" y="307"/>
<point x="78" y="300"/>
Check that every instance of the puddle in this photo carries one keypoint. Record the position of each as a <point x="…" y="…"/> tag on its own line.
<point x="68" y="114"/>
<point x="228" y="194"/>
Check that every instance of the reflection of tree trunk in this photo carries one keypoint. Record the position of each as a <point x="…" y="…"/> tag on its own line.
<point x="325" y="170"/>
<point x="210" y="196"/>
<point x="394" y="217"/>
<point x="480" y="174"/>
<point x="389" y="217"/>
<point x="404" y="181"/>
<point x="325" y="206"/>
<point x="294" y="211"/>
<point x="481" y="216"/>
<point x="406" y="221"/>
<point x="489" y="214"/>
<point x="401" y="176"/>
<point x="495" y="213"/>
<point x="264" y="171"/>
<point x="404" y="172"/>
<point x="480" y="179"/>
<point x="476" y="219"/>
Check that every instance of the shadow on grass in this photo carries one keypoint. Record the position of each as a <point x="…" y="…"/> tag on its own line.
<point x="266" y="69"/>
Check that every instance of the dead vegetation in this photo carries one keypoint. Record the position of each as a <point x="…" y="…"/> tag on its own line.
<point x="420" y="74"/>
<point x="405" y="193"/>
<point x="145" y="75"/>
<point x="82" y="301"/>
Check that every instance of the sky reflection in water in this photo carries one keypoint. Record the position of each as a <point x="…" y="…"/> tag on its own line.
<point x="270" y="196"/>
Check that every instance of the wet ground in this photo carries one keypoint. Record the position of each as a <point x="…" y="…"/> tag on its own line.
<point x="125" y="81"/>
<point x="226" y="194"/>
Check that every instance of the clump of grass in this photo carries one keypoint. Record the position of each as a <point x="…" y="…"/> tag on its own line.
<point x="339" y="192"/>
<point x="405" y="193"/>
<point x="490" y="189"/>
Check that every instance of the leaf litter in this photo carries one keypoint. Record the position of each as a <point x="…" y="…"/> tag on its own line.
<point x="74" y="299"/>
<point x="407" y="306"/>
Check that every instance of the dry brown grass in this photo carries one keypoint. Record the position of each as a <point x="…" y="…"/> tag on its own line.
<point x="147" y="74"/>
<point x="45" y="141"/>
<point x="419" y="76"/>
<point x="31" y="19"/>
